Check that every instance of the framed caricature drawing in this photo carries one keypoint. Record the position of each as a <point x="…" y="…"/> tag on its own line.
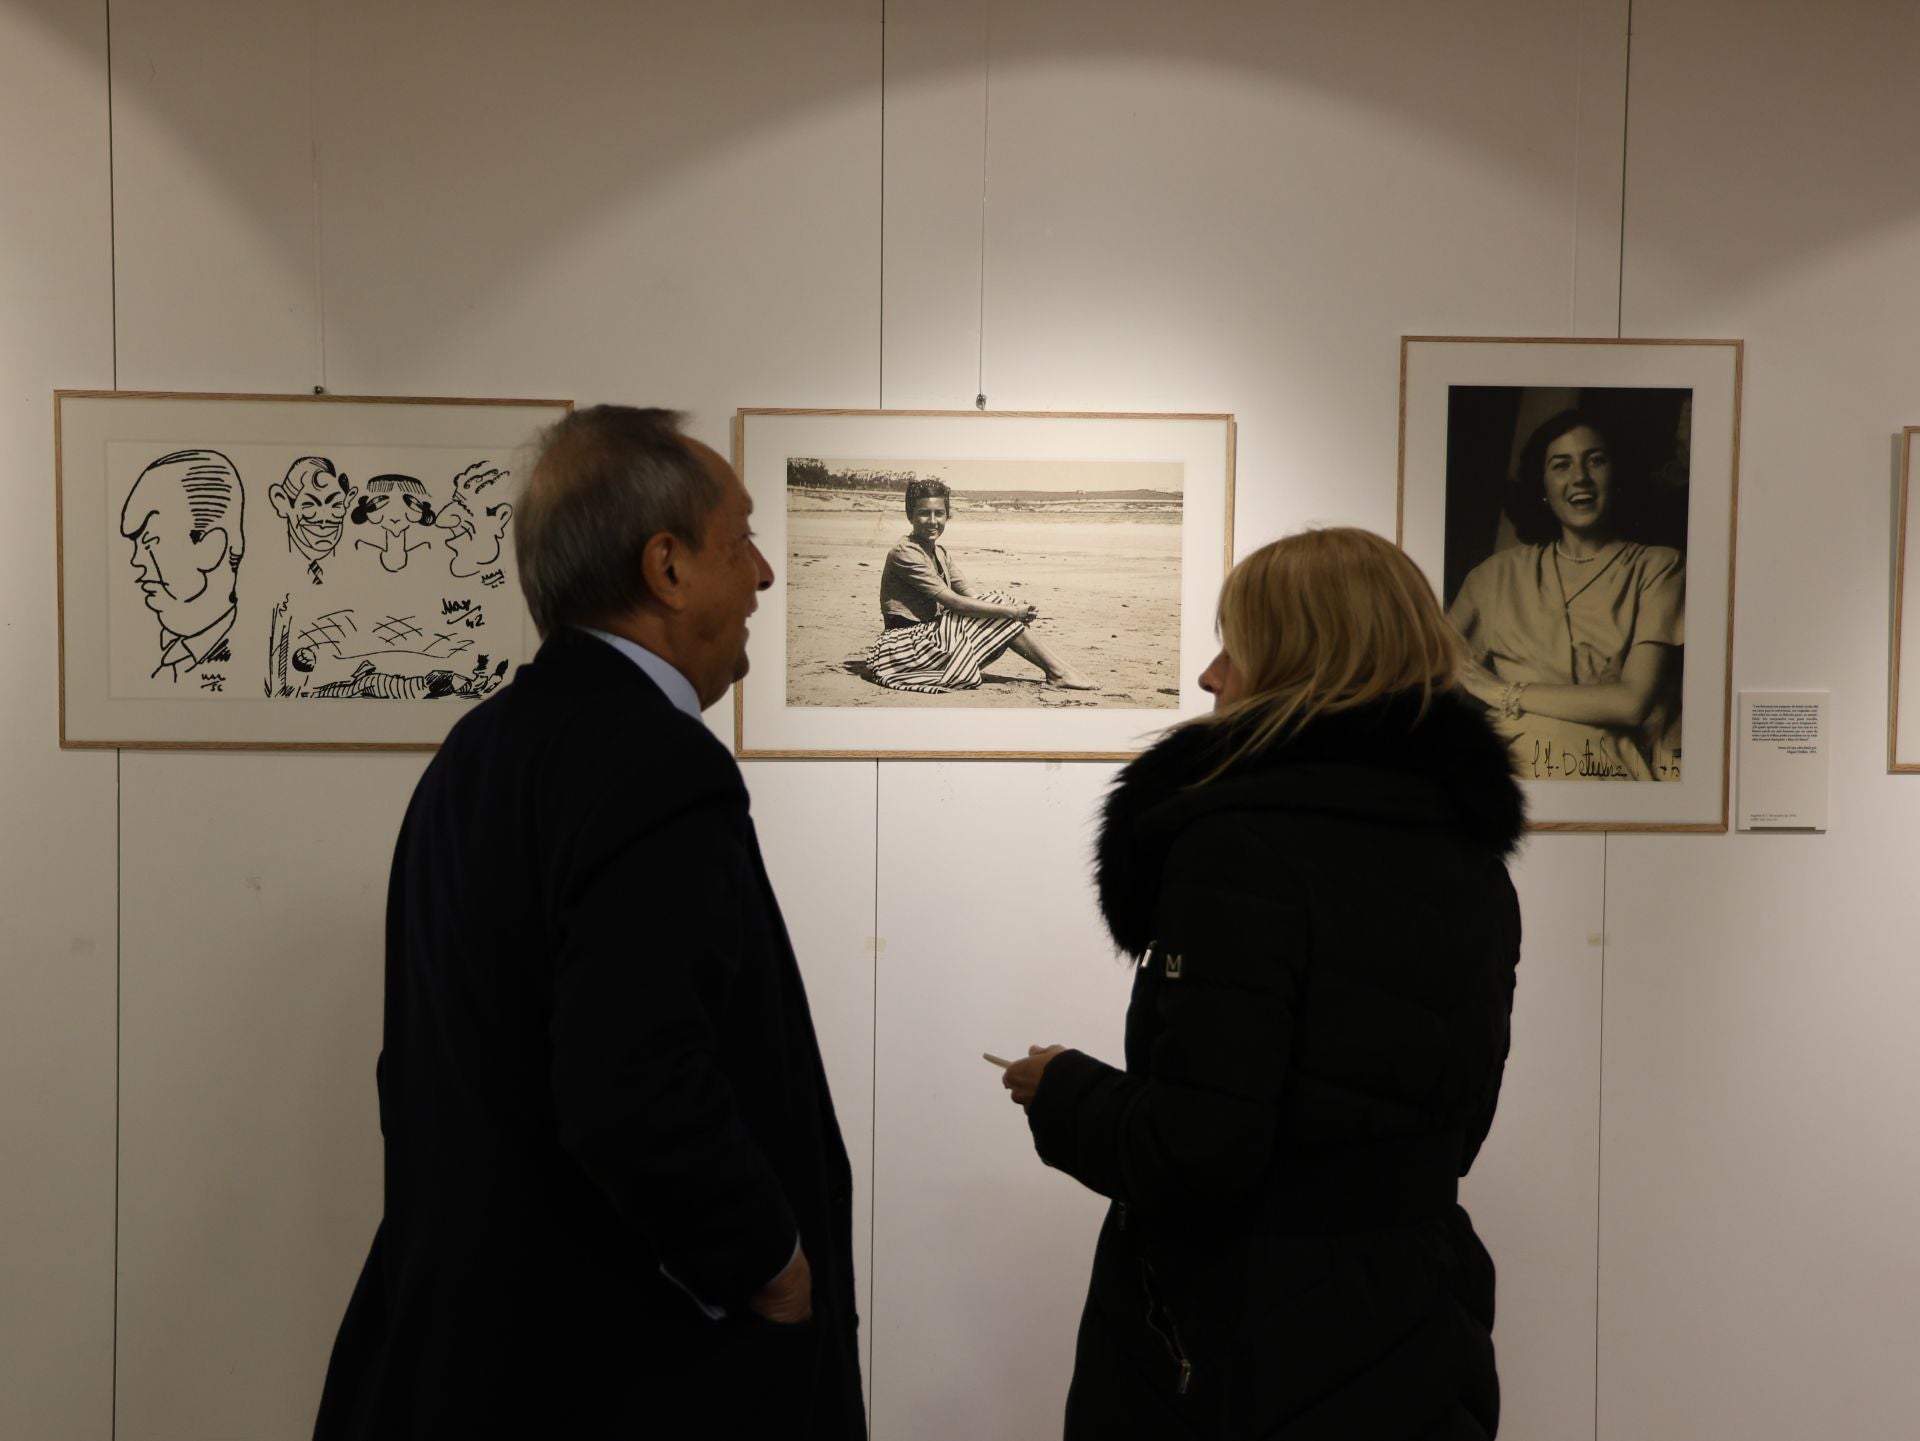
<point x="234" y="569"/>
<point x="960" y="583"/>
<point x="1574" y="503"/>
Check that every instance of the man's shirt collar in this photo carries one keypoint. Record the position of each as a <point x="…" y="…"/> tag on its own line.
<point x="193" y="650"/>
<point x="674" y="686"/>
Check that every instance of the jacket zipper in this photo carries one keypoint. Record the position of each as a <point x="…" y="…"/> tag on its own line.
<point x="1176" y="1350"/>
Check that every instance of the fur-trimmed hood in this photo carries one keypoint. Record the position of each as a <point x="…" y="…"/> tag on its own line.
<point x="1446" y="769"/>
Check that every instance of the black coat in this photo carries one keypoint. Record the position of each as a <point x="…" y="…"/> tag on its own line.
<point x="1314" y="1049"/>
<point x="598" y="1069"/>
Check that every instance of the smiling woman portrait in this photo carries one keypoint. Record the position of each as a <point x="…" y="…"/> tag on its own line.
<point x="1576" y="629"/>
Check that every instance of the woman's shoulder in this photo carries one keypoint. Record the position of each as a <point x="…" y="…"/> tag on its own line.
<point x="1653" y="564"/>
<point x="1521" y="555"/>
<point x="905" y="551"/>
<point x="1654" y="557"/>
<point x="1384" y="762"/>
<point x="1505" y="567"/>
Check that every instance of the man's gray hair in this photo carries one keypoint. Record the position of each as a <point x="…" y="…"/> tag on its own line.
<point x="609" y="478"/>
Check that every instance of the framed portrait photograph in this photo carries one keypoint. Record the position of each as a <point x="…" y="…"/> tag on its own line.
<point x="1903" y="692"/>
<point x="251" y="570"/>
<point x="1574" y="504"/>
<point x="981" y="583"/>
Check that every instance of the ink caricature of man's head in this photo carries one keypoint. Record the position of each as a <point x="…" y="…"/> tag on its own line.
<point x="184" y="517"/>
<point x="313" y="501"/>
<point x="474" y="529"/>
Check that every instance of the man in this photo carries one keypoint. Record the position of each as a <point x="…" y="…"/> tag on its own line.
<point x="313" y="501"/>
<point x="617" y="1203"/>
<point x="184" y="517"/>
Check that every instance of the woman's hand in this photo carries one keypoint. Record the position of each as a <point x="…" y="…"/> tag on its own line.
<point x="787" y="1299"/>
<point x="1022" y="1078"/>
<point x="1482" y="684"/>
<point x="1025" y="614"/>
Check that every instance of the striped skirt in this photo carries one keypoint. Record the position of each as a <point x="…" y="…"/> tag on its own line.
<point x="943" y="654"/>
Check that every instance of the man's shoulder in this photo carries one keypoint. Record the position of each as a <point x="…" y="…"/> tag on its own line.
<point x="607" y="722"/>
<point x="585" y="773"/>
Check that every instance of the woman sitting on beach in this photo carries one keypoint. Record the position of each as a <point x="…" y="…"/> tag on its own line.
<point x="941" y="632"/>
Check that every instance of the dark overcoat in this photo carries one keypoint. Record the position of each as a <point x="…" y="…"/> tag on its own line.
<point x="1313" y="1052"/>
<point x="600" y="1094"/>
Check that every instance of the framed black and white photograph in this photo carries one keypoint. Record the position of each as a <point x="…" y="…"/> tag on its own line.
<point x="962" y="583"/>
<point x="253" y="570"/>
<point x="1574" y="504"/>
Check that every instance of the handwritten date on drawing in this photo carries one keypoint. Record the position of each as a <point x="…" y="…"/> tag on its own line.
<point x="466" y="611"/>
<point x="494" y="579"/>
<point x="212" y="681"/>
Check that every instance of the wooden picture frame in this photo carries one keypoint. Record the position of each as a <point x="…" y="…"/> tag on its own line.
<point x="229" y="562"/>
<point x="1575" y="503"/>
<point x="1115" y="529"/>
<point x="1903" y="688"/>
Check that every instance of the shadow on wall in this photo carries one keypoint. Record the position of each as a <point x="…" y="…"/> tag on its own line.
<point x="1808" y="119"/>
<point x="613" y="101"/>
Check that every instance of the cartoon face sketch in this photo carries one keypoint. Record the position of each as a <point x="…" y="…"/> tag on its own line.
<point x="184" y="517"/>
<point x="474" y="528"/>
<point x="393" y="505"/>
<point x="313" y="501"/>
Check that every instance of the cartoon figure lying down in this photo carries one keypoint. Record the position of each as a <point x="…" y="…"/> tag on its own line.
<point x="370" y="683"/>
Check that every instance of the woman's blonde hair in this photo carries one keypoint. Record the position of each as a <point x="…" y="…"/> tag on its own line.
<point x="1327" y="621"/>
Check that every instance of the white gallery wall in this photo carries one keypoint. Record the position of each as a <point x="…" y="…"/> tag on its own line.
<point x="1696" y="1189"/>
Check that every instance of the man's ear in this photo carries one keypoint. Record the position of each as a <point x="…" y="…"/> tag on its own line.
<point x="282" y="502"/>
<point x="210" y="550"/>
<point x="663" y="563"/>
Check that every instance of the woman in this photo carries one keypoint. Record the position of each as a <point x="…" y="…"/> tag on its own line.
<point x="1574" y="637"/>
<point x="940" y="632"/>
<point x="1314" y="881"/>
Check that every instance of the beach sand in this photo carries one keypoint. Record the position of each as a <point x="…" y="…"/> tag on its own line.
<point x="1107" y="584"/>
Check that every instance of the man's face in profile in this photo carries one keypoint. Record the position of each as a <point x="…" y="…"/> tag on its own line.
<point x="151" y="549"/>
<point x="474" y="535"/>
<point x="727" y="573"/>
<point x="160" y="558"/>
<point x="173" y="568"/>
